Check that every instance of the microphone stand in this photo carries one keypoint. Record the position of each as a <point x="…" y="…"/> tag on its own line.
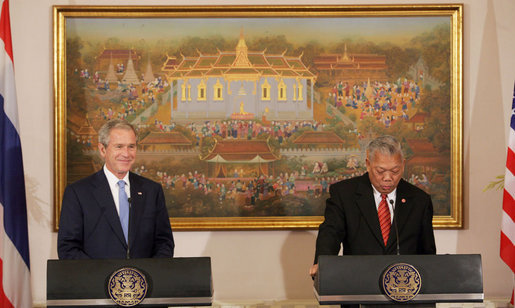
<point x="394" y="225"/>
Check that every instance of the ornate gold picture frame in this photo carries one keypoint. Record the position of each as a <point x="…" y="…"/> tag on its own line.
<point x="246" y="114"/>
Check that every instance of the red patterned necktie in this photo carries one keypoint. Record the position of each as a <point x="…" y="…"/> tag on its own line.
<point x="384" y="218"/>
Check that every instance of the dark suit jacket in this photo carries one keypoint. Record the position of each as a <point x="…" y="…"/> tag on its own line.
<point x="90" y="227"/>
<point x="351" y="219"/>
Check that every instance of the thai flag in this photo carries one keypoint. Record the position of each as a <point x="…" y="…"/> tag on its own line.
<point x="14" y="243"/>
<point x="508" y="204"/>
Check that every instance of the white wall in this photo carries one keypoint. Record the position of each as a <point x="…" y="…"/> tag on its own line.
<point x="270" y="265"/>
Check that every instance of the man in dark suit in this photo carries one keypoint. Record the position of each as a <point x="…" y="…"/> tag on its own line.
<point x="96" y="210"/>
<point x="360" y="211"/>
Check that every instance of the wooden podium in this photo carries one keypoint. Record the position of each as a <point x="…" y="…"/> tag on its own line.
<point x="359" y="279"/>
<point x="170" y="281"/>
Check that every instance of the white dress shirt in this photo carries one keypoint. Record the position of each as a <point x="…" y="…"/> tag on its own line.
<point x="115" y="189"/>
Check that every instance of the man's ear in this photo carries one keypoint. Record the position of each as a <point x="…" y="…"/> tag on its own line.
<point x="102" y="150"/>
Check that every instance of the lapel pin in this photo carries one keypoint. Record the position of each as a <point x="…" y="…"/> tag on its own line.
<point x="403" y="200"/>
<point x="140" y="193"/>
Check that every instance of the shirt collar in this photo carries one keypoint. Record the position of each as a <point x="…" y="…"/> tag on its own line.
<point x="113" y="180"/>
<point x="377" y="194"/>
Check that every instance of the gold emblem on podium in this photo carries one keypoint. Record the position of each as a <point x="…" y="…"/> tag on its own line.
<point x="127" y="287"/>
<point x="401" y="282"/>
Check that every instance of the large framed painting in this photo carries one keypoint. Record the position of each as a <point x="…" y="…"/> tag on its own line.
<point x="247" y="114"/>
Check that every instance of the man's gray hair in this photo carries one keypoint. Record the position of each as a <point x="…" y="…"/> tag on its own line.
<point x="105" y="130"/>
<point x="386" y="145"/>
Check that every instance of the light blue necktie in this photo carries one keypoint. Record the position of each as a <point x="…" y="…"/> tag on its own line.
<point x="124" y="209"/>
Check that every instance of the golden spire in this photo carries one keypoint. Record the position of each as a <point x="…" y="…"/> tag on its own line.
<point x="242" y="59"/>
<point x="345" y="56"/>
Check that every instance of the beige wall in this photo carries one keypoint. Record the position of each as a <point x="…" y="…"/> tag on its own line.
<point x="274" y="264"/>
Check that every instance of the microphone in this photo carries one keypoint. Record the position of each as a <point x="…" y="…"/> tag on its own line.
<point x="394" y="225"/>
<point x="128" y="255"/>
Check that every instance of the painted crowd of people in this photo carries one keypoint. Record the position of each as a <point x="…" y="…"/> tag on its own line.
<point x="384" y="101"/>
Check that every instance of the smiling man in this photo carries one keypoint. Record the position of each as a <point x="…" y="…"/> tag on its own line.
<point x="114" y="213"/>
<point x="360" y="211"/>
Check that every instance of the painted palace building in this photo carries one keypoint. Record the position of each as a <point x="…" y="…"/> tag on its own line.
<point x="352" y="68"/>
<point x="240" y="84"/>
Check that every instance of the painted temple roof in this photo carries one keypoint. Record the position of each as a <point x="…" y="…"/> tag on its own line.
<point x="350" y="61"/>
<point x="418" y="160"/>
<point x="238" y="62"/>
<point x="421" y="146"/>
<point x="241" y="150"/>
<point x="424" y="153"/>
<point x="418" y="117"/>
<point x="87" y="129"/>
<point x="170" y="63"/>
